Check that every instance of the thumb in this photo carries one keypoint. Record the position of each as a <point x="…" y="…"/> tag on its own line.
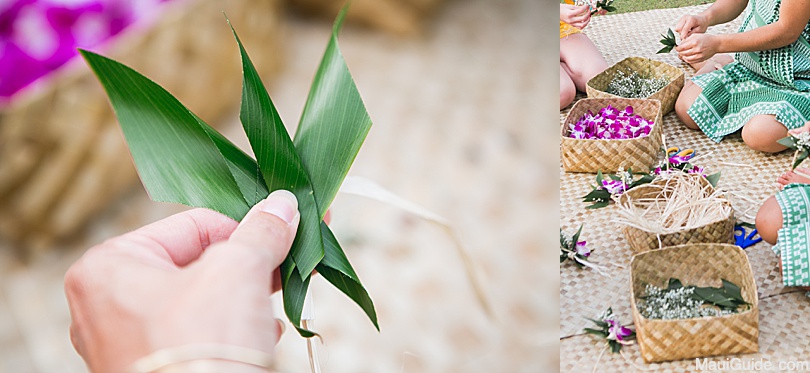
<point x="263" y="238"/>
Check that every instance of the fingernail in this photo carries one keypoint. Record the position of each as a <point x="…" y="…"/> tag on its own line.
<point x="282" y="204"/>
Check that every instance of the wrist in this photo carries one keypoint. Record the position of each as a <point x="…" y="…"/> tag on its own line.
<point x="706" y="18"/>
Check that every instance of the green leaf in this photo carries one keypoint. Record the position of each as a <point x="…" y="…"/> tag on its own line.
<point x="333" y="125"/>
<point x="279" y="162"/>
<point x="733" y="291"/>
<point x="294" y="292"/>
<point x="597" y="195"/>
<point x="615" y="346"/>
<point x="674" y="283"/>
<point x="665" y="49"/>
<point x="789" y="141"/>
<point x="596" y="332"/>
<point x="670" y="35"/>
<point x="575" y="238"/>
<point x="713" y="179"/>
<point x="176" y="158"/>
<point x="599" y="178"/>
<point x="336" y="269"/>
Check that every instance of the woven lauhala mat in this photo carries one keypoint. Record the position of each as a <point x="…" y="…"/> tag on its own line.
<point x="749" y="176"/>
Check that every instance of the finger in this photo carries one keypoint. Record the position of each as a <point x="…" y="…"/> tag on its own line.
<point x="180" y="238"/>
<point x="263" y="238"/>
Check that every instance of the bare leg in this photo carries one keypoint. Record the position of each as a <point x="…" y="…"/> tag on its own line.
<point x="582" y="59"/>
<point x="691" y="90"/>
<point x="761" y="133"/>
<point x="567" y="89"/>
<point x="769" y="220"/>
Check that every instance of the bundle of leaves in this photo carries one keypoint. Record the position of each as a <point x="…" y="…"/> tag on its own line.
<point x="615" y="184"/>
<point x="668" y="41"/>
<point x="635" y="85"/>
<point x="572" y="249"/>
<point x="182" y="159"/>
<point x="612" y="331"/>
<point x="677" y="301"/>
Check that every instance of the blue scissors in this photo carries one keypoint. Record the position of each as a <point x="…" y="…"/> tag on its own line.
<point x="743" y="241"/>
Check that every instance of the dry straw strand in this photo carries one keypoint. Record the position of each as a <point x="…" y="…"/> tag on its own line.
<point x="675" y="202"/>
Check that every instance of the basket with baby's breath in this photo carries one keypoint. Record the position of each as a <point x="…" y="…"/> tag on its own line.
<point x="611" y="155"/>
<point x="638" y="77"/>
<point x="723" y="267"/>
<point x="676" y="208"/>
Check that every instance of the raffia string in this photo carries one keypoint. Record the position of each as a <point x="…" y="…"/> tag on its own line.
<point x="675" y="202"/>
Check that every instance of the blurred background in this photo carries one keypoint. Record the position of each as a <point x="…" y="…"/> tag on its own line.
<point x="456" y="90"/>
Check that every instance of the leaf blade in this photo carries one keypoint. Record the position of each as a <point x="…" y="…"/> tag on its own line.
<point x="327" y="150"/>
<point x="191" y="170"/>
<point x="278" y="160"/>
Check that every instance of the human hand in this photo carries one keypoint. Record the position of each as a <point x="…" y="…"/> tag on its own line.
<point x="195" y="277"/>
<point x="796" y="131"/>
<point x="698" y="48"/>
<point x="577" y="16"/>
<point x="691" y="24"/>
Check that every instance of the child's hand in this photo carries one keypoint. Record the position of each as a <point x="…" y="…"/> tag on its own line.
<point x="691" y="24"/>
<point x="796" y="131"/>
<point x="577" y="16"/>
<point x="698" y="48"/>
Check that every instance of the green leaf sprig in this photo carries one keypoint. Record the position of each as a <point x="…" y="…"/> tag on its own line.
<point x="612" y="331"/>
<point x="668" y="41"/>
<point x="616" y="184"/>
<point x="181" y="159"/>
<point x="606" y="5"/>
<point x="677" y="301"/>
<point x="571" y="248"/>
<point x="801" y="144"/>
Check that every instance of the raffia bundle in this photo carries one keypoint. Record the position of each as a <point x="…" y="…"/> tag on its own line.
<point x="675" y="209"/>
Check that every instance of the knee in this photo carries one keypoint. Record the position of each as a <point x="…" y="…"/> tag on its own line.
<point x="761" y="134"/>
<point x="682" y="107"/>
<point x="567" y="95"/>
<point x="769" y="220"/>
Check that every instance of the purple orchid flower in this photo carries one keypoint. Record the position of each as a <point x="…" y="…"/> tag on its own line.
<point x="615" y="187"/>
<point x="617" y="332"/>
<point x="582" y="249"/>
<point x="628" y="111"/>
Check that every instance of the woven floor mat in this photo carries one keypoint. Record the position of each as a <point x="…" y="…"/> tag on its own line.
<point x="783" y="337"/>
<point x="747" y="175"/>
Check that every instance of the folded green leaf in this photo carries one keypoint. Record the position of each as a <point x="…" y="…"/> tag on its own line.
<point x="713" y="178"/>
<point x="181" y="159"/>
<point x="326" y="150"/>
<point x="279" y="162"/>
<point x="788" y="141"/>
<point x="176" y="158"/>
<point x="336" y="269"/>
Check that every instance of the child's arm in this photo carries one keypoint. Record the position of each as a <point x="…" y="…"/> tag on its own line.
<point x="721" y="11"/>
<point x="793" y="18"/>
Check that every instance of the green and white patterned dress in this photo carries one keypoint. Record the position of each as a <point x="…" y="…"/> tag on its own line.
<point x="775" y="82"/>
<point x="793" y="239"/>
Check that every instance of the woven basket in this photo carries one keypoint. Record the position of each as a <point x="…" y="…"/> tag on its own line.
<point x="62" y="153"/>
<point x="668" y="95"/>
<point x="592" y="155"/>
<point x="719" y="231"/>
<point x="700" y="265"/>
<point x="402" y="17"/>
